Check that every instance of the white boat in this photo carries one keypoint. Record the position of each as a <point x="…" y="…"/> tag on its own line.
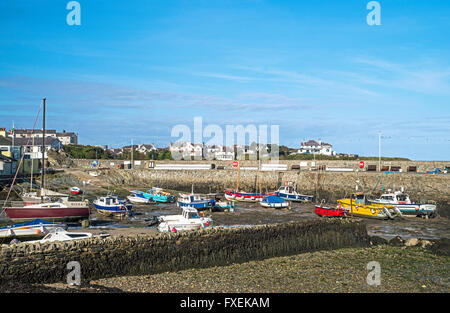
<point x="401" y="201"/>
<point x="94" y="174"/>
<point x="137" y="199"/>
<point x="188" y="220"/>
<point x="33" y="197"/>
<point x="60" y="234"/>
<point x="35" y="228"/>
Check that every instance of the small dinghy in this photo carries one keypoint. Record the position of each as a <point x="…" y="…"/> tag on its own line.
<point x="36" y="228"/>
<point x="189" y="220"/>
<point x="139" y="199"/>
<point x="275" y="202"/>
<point x="328" y="212"/>
<point x="75" y="190"/>
<point x="60" y="234"/>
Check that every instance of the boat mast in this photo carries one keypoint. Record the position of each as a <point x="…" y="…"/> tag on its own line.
<point x="43" y="149"/>
<point x="32" y="164"/>
<point x="239" y="173"/>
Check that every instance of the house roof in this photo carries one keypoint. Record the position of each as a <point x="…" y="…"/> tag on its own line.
<point x="35" y="131"/>
<point x="37" y="141"/>
<point x="314" y="143"/>
<point x="5" y="141"/>
<point x="64" y="134"/>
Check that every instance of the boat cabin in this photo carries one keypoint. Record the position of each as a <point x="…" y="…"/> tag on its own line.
<point x="358" y="198"/>
<point x="189" y="198"/>
<point x="109" y="201"/>
<point x="190" y="213"/>
<point x="396" y="197"/>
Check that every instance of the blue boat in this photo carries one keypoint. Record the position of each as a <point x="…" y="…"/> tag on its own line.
<point x="289" y="192"/>
<point x="158" y="195"/>
<point x="112" y="206"/>
<point x="274" y="202"/>
<point x="195" y="201"/>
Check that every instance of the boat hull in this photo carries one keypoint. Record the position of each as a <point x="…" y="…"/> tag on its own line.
<point x="200" y="205"/>
<point x="295" y="198"/>
<point x="328" y="212"/>
<point x="412" y="209"/>
<point x="49" y="214"/>
<point x="116" y="211"/>
<point x="245" y="196"/>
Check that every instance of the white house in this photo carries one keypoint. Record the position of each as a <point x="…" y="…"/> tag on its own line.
<point x="187" y="149"/>
<point x="316" y="147"/>
<point x="143" y="148"/>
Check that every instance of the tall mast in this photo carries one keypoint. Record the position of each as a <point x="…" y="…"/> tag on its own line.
<point x="32" y="164"/>
<point x="43" y="149"/>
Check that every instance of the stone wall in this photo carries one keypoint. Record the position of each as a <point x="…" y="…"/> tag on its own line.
<point x="422" y="166"/>
<point x="147" y="254"/>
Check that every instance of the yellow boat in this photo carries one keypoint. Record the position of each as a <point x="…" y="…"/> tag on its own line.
<point x="358" y="206"/>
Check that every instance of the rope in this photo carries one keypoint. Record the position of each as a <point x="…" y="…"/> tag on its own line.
<point x="21" y="160"/>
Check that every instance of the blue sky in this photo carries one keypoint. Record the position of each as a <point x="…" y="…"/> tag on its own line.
<point x="134" y="69"/>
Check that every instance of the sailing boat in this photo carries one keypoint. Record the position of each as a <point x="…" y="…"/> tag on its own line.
<point x="236" y="195"/>
<point x="47" y="209"/>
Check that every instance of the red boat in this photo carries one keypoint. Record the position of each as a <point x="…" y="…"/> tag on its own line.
<point x="330" y="212"/>
<point x="67" y="211"/>
<point x="245" y="196"/>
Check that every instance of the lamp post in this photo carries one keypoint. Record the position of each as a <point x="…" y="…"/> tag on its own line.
<point x="379" y="151"/>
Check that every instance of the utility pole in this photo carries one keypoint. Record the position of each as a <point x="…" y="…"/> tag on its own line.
<point x="379" y="151"/>
<point x="132" y="150"/>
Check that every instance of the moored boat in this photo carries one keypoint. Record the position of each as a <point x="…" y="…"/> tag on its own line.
<point x="61" y="210"/>
<point x="33" y="229"/>
<point x="245" y="196"/>
<point x="402" y="201"/>
<point x="289" y="192"/>
<point x="60" y="234"/>
<point x="357" y="205"/>
<point x="274" y="202"/>
<point x="113" y="206"/>
<point x="158" y="195"/>
<point x="192" y="200"/>
<point x="329" y="212"/>
<point x="75" y="190"/>
<point x="190" y="219"/>
<point x="225" y="205"/>
<point x="139" y="199"/>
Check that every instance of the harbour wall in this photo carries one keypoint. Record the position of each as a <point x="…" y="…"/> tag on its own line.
<point x="306" y="165"/>
<point x="149" y="254"/>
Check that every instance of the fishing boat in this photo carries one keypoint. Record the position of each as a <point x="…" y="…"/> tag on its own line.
<point x="289" y="192"/>
<point x="274" y="202"/>
<point x="401" y="200"/>
<point x="36" y="228"/>
<point x="190" y="219"/>
<point x="61" y="234"/>
<point x="358" y="205"/>
<point x="139" y="199"/>
<point x="112" y="205"/>
<point x="192" y="200"/>
<point x="158" y="195"/>
<point x="236" y="195"/>
<point x="329" y="212"/>
<point x="245" y="196"/>
<point x="75" y="190"/>
<point x="61" y="210"/>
